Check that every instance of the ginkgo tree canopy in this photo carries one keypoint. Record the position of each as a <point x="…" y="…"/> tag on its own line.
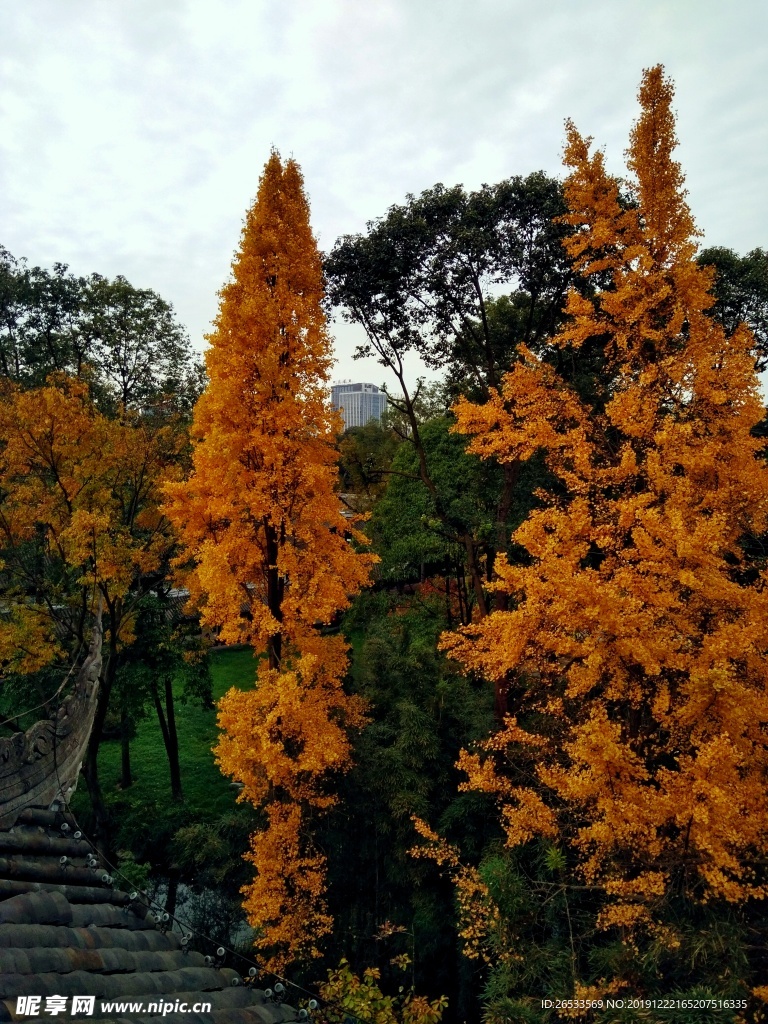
<point x="270" y="557"/>
<point x="634" y="647"/>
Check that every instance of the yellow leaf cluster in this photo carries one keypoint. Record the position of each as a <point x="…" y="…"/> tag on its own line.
<point x="267" y="554"/>
<point x="362" y="997"/>
<point x="638" y="623"/>
<point x="28" y="641"/>
<point x="259" y="514"/>
<point x="285" y="902"/>
<point x="86" y="489"/>
<point x="290" y="731"/>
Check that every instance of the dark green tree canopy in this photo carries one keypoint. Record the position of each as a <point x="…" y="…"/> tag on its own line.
<point x="125" y="341"/>
<point x="741" y="293"/>
<point x="40" y="330"/>
<point x="139" y="350"/>
<point x="422" y="276"/>
<point x="408" y="534"/>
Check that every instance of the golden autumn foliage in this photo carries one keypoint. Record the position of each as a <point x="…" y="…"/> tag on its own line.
<point x="259" y="512"/>
<point x="290" y="730"/>
<point x="261" y="522"/>
<point x="476" y="911"/>
<point x="287" y="898"/>
<point x="80" y="513"/>
<point x="635" y="646"/>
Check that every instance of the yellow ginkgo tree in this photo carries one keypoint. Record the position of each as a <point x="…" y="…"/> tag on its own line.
<point x="270" y="554"/>
<point x="634" y="648"/>
<point x="80" y="517"/>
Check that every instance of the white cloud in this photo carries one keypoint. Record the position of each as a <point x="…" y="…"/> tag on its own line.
<point x="132" y="135"/>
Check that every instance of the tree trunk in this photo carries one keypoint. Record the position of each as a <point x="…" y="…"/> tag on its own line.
<point x="275" y="588"/>
<point x="461" y="592"/>
<point x="474" y="574"/>
<point x="167" y="722"/>
<point x="173" y="737"/>
<point x="126" y="728"/>
<point x="173" y="892"/>
<point x="511" y="477"/>
<point x="500" y="700"/>
<point x="91" y="764"/>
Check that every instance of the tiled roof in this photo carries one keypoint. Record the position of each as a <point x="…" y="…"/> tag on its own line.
<point x="65" y="931"/>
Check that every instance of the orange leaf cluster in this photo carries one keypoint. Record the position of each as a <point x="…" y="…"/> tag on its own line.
<point x="289" y="731"/>
<point x="269" y="553"/>
<point x="638" y="629"/>
<point x="286" y="899"/>
<point x="86" y="489"/>
<point x="259" y="513"/>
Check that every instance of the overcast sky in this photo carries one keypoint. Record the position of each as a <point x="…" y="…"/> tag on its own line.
<point x="133" y="132"/>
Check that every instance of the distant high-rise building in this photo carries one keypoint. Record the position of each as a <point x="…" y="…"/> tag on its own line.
<point x="359" y="403"/>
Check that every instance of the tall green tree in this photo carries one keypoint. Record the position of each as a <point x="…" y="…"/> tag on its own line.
<point x="422" y="280"/>
<point x="40" y="322"/>
<point x="140" y="353"/>
<point x="390" y="911"/>
<point x="125" y="341"/>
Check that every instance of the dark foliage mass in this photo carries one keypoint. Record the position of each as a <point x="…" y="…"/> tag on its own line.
<point x="420" y="279"/>
<point x="125" y="341"/>
<point x="741" y="293"/>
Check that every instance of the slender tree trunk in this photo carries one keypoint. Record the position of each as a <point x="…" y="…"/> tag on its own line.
<point x="461" y="593"/>
<point x="475" y="575"/>
<point x="126" y="728"/>
<point x="274" y="593"/>
<point x="170" y="737"/>
<point x="500" y="699"/>
<point x="511" y="476"/>
<point x="173" y="891"/>
<point x="173" y="736"/>
<point x="90" y="767"/>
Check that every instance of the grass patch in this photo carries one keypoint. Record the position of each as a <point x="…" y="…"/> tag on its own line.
<point x="145" y="817"/>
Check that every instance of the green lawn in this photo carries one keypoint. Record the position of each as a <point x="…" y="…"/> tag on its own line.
<point x="146" y="807"/>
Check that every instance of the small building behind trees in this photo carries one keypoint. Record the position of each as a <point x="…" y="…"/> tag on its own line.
<point x="358" y="403"/>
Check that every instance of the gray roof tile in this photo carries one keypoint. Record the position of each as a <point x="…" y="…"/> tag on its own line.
<point x="65" y="932"/>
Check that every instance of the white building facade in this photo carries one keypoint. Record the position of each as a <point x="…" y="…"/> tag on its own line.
<point x="358" y="403"/>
